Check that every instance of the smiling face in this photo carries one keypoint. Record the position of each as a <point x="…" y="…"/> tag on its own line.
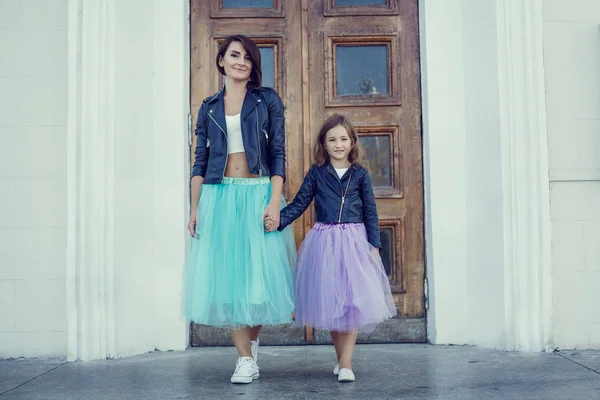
<point x="236" y="62"/>
<point x="338" y="144"/>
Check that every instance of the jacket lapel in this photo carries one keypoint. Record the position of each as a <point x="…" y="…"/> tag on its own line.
<point x="250" y="103"/>
<point x="217" y="110"/>
<point x="332" y="170"/>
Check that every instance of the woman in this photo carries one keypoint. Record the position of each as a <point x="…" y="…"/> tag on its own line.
<point x="238" y="274"/>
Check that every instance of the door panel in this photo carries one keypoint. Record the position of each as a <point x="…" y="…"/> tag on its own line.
<point x="359" y="58"/>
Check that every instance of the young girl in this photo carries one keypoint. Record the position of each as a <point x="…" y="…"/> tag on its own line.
<point x="341" y="285"/>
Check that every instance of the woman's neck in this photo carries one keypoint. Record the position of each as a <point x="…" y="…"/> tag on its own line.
<point x="235" y="88"/>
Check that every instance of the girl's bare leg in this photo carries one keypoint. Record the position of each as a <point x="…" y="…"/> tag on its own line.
<point x="335" y="337"/>
<point x="347" y="344"/>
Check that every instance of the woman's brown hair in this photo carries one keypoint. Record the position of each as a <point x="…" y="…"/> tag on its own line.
<point x="255" y="79"/>
<point x="320" y="155"/>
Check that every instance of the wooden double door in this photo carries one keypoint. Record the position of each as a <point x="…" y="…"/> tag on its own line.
<point x="356" y="57"/>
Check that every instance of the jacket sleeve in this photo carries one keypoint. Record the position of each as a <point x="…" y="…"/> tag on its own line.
<point x="202" y="150"/>
<point x="276" y="141"/>
<point x="370" y="217"/>
<point x="300" y="203"/>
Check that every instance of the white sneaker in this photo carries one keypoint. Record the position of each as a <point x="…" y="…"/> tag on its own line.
<point x="246" y="370"/>
<point x="254" y="347"/>
<point x="346" y="375"/>
<point x="336" y="369"/>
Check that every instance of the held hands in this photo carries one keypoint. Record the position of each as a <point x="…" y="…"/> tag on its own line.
<point x="271" y="217"/>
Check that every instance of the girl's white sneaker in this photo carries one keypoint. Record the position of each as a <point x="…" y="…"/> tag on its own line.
<point x="346" y="375"/>
<point x="336" y="369"/>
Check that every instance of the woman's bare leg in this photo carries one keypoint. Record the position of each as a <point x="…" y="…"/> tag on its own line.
<point x="254" y="331"/>
<point x="241" y="339"/>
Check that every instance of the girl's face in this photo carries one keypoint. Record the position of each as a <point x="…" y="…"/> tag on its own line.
<point x="338" y="143"/>
<point x="236" y="62"/>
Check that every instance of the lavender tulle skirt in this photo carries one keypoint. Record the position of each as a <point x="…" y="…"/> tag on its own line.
<point x="341" y="284"/>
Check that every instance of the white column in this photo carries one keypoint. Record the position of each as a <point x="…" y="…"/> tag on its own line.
<point x="527" y="267"/>
<point x="170" y="155"/>
<point x="486" y="175"/>
<point x="90" y="172"/>
<point x="128" y="163"/>
<point x="445" y="168"/>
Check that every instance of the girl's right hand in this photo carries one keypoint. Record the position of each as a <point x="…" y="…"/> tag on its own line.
<point x="192" y="225"/>
<point x="375" y="252"/>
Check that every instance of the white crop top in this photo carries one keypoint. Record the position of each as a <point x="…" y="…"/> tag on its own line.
<point x="234" y="134"/>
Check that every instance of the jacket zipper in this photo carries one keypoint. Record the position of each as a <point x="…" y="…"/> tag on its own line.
<point x="227" y="156"/>
<point x="258" y="144"/>
<point x="342" y="192"/>
<point x="344" y="198"/>
<point x="215" y="121"/>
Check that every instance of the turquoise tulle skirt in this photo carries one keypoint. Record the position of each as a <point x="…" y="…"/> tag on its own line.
<point x="237" y="274"/>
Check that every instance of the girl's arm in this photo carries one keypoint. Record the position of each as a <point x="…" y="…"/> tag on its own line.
<point x="300" y="203"/>
<point x="370" y="211"/>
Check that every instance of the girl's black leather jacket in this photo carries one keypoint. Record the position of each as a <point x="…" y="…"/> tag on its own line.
<point x="349" y="199"/>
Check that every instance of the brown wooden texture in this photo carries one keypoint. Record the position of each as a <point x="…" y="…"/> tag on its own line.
<point x="304" y="34"/>
<point x="217" y="10"/>
<point x="331" y="9"/>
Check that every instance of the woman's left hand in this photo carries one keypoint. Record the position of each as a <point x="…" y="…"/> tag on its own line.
<point x="272" y="217"/>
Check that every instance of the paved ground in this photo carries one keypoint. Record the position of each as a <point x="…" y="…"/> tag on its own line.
<point x="382" y="372"/>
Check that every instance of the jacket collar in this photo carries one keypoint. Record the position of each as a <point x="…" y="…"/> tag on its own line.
<point x="217" y="96"/>
<point x="354" y="166"/>
<point x="327" y="166"/>
<point x="216" y="109"/>
<point x="250" y="102"/>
